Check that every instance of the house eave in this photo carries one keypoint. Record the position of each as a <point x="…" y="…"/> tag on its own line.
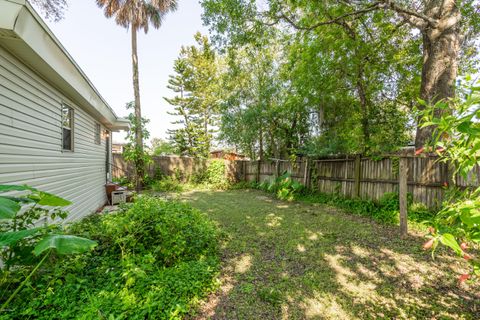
<point x="24" y="34"/>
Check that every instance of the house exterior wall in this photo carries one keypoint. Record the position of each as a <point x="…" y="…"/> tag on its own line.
<point x="31" y="141"/>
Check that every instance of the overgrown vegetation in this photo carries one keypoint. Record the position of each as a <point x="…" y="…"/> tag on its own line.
<point x="213" y="176"/>
<point x="385" y="210"/>
<point x="24" y="243"/>
<point x="284" y="187"/>
<point x="457" y="141"/>
<point x="155" y="259"/>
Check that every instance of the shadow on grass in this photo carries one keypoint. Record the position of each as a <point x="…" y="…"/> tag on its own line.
<point x="296" y="261"/>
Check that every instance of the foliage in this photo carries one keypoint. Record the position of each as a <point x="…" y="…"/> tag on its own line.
<point x="385" y="210"/>
<point x="155" y="260"/>
<point x="457" y="137"/>
<point x="161" y="147"/>
<point x="135" y="153"/>
<point x="22" y="240"/>
<point x="124" y="181"/>
<point x="52" y="9"/>
<point x="329" y="77"/>
<point x="284" y="187"/>
<point x="215" y="174"/>
<point x="196" y="102"/>
<point x="167" y="184"/>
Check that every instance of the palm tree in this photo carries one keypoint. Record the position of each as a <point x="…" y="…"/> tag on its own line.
<point x="136" y="15"/>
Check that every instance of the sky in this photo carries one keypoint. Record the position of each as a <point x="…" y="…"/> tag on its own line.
<point x="103" y="51"/>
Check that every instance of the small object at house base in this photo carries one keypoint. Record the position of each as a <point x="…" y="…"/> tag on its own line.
<point x="119" y="196"/>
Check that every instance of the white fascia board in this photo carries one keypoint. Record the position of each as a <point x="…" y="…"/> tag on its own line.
<point x="33" y="43"/>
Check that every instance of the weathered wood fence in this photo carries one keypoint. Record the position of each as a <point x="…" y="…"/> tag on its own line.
<point x="166" y="165"/>
<point x="353" y="176"/>
<point x="363" y="177"/>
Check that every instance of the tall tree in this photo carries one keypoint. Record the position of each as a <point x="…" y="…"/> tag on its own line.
<point x="184" y="137"/>
<point x="195" y="84"/>
<point x="137" y="15"/>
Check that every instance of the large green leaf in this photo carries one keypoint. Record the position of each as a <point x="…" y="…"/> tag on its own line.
<point x="7" y="188"/>
<point x="8" y="208"/>
<point x="64" y="244"/>
<point x="19" y="199"/>
<point x="10" y="238"/>
<point x="47" y="199"/>
<point x="449" y="240"/>
<point x="470" y="217"/>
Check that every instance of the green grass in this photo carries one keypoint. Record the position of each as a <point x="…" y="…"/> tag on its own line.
<point x="305" y="260"/>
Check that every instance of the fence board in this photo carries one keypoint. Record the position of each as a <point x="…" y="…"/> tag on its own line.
<point x="370" y="178"/>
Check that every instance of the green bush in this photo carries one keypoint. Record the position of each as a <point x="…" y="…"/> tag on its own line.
<point x="155" y="259"/>
<point x="284" y="187"/>
<point x="213" y="176"/>
<point x="385" y="210"/>
<point x="167" y="184"/>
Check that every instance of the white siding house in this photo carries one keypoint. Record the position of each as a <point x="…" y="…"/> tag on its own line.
<point x="55" y="128"/>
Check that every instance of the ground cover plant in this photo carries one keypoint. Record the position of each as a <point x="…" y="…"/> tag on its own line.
<point x="299" y="260"/>
<point x="155" y="259"/>
<point x="385" y="210"/>
<point x="25" y="244"/>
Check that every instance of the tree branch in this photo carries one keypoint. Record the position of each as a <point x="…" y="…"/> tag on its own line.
<point x="415" y="18"/>
<point x="338" y="19"/>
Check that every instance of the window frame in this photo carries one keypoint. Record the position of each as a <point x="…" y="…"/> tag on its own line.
<point x="71" y="128"/>
<point x="97" y="133"/>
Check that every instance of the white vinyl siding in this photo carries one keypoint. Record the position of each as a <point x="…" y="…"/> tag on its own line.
<point x="31" y="141"/>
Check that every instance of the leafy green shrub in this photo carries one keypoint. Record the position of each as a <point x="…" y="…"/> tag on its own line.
<point x="25" y="245"/>
<point x="244" y="185"/>
<point x="167" y="184"/>
<point x="124" y="182"/>
<point x="155" y="259"/>
<point x="385" y="210"/>
<point x="284" y="187"/>
<point x="215" y="174"/>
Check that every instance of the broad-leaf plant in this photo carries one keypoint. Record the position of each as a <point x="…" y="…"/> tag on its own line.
<point x="29" y="234"/>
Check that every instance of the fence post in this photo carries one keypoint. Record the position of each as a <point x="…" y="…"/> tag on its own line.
<point x="306" y="178"/>
<point x="403" y="189"/>
<point x="259" y="163"/>
<point x="277" y="168"/>
<point x="244" y="170"/>
<point x="358" y="173"/>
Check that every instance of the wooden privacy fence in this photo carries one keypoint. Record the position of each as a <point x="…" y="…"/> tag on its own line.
<point x="353" y="176"/>
<point x="183" y="167"/>
<point x="366" y="178"/>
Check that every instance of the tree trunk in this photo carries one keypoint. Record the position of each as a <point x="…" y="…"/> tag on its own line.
<point x="441" y="47"/>
<point x="260" y="151"/>
<point x="139" y="163"/>
<point x="364" y="109"/>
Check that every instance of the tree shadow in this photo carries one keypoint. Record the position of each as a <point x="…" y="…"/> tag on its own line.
<point x="301" y="261"/>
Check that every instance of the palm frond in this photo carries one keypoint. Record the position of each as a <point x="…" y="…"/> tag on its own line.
<point x="139" y="14"/>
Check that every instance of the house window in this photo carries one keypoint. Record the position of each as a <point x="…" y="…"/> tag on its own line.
<point x="67" y="128"/>
<point x="97" y="133"/>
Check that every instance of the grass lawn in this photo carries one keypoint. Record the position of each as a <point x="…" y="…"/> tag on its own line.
<point x="296" y="260"/>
